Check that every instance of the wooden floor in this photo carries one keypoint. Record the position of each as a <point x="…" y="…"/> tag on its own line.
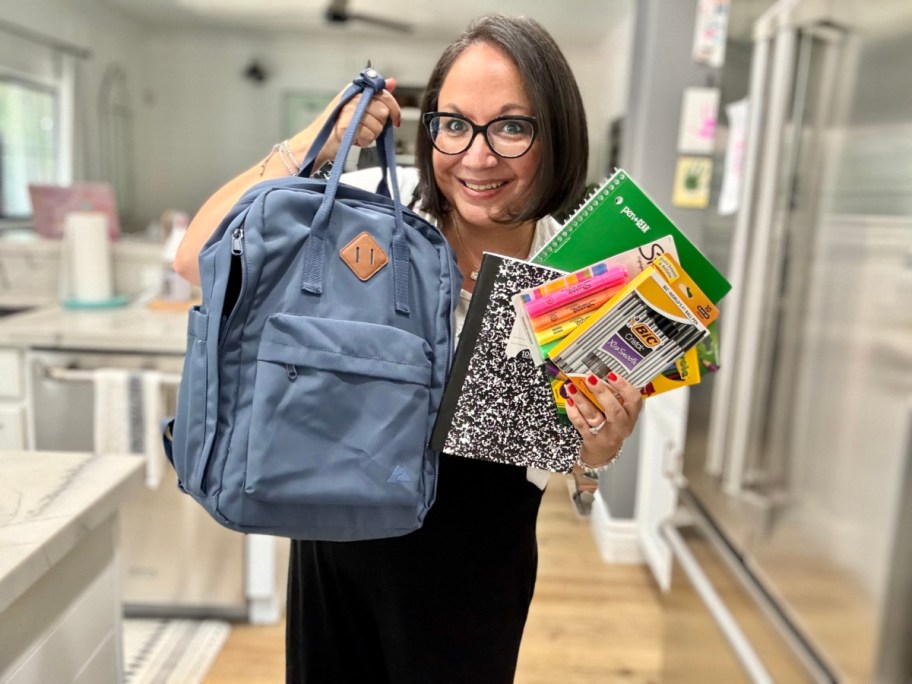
<point x="589" y="622"/>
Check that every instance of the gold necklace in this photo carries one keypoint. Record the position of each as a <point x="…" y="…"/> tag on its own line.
<point x="473" y="274"/>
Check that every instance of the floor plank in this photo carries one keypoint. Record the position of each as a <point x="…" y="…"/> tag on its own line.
<point x="589" y="622"/>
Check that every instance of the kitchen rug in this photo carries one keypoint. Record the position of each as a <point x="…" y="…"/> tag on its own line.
<point x="171" y="651"/>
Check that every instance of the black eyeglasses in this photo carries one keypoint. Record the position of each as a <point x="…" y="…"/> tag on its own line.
<point x="508" y="136"/>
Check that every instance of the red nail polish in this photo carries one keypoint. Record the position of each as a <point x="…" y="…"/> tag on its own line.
<point x="569" y="401"/>
<point x="612" y="376"/>
<point x="592" y="380"/>
<point x="572" y="388"/>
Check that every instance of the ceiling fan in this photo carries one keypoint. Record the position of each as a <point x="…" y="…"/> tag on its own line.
<point x="337" y="13"/>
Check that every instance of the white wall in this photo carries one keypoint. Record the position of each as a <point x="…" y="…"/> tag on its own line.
<point x="613" y="55"/>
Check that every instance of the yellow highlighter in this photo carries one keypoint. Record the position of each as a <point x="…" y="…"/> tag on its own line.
<point x="555" y="332"/>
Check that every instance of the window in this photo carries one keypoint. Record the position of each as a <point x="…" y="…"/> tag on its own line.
<point x="28" y="143"/>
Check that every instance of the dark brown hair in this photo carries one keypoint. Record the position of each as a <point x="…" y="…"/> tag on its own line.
<point x="559" y="181"/>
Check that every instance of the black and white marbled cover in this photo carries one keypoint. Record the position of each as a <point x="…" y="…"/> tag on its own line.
<point x="497" y="408"/>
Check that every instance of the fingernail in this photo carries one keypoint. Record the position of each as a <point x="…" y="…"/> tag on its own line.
<point x="612" y="376"/>
<point x="572" y="389"/>
<point x="592" y="380"/>
<point x="569" y="401"/>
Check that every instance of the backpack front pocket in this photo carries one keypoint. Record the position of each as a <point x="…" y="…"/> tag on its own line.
<point x="340" y="413"/>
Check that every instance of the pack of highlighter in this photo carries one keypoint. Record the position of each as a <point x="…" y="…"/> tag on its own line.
<point x="644" y="333"/>
<point x="552" y="310"/>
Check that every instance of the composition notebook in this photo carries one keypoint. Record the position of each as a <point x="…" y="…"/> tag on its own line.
<point x="498" y="405"/>
<point x="617" y="217"/>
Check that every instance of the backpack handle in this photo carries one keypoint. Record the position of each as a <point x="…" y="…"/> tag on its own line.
<point x="369" y="82"/>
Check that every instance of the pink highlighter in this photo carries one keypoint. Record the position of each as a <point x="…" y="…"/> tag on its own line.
<point x="613" y="277"/>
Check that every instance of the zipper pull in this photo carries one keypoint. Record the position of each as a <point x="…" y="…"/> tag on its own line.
<point x="292" y="371"/>
<point x="237" y="246"/>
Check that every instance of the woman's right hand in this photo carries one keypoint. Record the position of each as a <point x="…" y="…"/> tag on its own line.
<point x="383" y="106"/>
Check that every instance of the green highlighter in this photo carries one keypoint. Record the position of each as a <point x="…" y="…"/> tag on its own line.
<point x="617" y="217"/>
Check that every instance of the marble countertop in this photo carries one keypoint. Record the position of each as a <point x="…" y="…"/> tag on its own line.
<point x="49" y="502"/>
<point x="129" y="328"/>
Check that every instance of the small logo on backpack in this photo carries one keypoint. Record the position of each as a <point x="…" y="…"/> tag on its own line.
<point x="399" y="475"/>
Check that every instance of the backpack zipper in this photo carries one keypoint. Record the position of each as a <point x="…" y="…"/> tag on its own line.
<point x="237" y="242"/>
<point x="237" y="251"/>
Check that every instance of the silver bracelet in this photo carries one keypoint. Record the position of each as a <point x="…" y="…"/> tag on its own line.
<point x="286" y="156"/>
<point x="588" y="468"/>
<point x="291" y="163"/>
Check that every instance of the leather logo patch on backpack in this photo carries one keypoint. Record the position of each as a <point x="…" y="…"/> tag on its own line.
<point x="364" y="256"/>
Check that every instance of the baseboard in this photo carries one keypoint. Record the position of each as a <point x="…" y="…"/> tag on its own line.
<point x="618" y="540"/>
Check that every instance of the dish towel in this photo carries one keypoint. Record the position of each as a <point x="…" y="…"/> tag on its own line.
<point x="154" y="409"/>
<point x="128" y="406"/>
<point x="111" y="429"/>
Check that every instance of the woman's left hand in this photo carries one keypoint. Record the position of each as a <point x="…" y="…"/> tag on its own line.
<point x="621" y="402"/>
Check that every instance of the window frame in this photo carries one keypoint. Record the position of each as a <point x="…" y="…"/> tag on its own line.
<point x="62" y="88"/>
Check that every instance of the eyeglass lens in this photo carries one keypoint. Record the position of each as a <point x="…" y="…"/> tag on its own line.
<point x="507" y="137"/>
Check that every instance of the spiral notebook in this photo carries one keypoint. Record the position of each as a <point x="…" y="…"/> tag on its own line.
<point x="498" y="405"/>
<point x="617" y="217"/>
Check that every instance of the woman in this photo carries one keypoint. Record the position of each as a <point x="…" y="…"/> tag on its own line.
<point x="505" y="147"/>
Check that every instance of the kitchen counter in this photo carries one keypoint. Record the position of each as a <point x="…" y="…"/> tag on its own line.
<point x="128" y="328"/>
<point x="59" y="564"/>
<point x="48" y="501"/>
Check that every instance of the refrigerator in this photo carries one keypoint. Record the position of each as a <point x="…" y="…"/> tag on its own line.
<point x="792" y="537"/>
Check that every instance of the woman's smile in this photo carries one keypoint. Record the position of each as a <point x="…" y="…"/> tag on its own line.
<point x="483" y="186"/>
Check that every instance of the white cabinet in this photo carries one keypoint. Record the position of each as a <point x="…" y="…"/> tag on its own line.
<point x="12" y="428"/>
<point x="11" y="386"/>
<point x="69" y="620"/>
<point x="60" y="589"/>
<point x="12" y="400"/>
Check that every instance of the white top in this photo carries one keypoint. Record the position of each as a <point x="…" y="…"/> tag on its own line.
<point x="545" y="229"/>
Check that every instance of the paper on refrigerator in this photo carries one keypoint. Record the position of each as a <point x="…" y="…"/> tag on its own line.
<point x="697" y="129"/>
<point x="733" y="171"/>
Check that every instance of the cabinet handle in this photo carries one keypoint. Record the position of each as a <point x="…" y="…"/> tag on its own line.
<point x="85" y="375"/>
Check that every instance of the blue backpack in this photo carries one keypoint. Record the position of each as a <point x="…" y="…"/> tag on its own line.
<point x="316" y="363"/>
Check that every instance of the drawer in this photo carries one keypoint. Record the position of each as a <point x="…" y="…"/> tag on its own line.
<point x="12" y="428"/>
<point x="11" y="385"/>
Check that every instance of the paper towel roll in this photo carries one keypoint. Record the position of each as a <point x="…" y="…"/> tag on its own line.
<point x="87" y="253"/>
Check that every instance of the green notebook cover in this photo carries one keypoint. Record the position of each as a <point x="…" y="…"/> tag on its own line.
<point x="617" y="217"/>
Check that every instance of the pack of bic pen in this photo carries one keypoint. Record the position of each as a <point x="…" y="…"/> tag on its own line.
<point x="652" y="323"/>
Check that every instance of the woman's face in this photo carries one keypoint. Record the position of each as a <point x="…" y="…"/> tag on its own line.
<point x="482" y="84"/>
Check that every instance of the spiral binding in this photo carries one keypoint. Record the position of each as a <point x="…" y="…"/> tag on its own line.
<point x="588" y="205"/>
